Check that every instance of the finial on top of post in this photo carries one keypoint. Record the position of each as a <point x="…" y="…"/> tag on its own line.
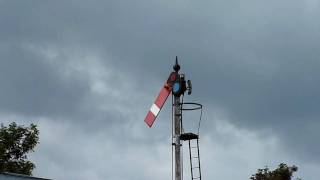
<point x="176" y="67"/>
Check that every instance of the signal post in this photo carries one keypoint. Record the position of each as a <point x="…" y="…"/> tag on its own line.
<point x="177" y="85"/>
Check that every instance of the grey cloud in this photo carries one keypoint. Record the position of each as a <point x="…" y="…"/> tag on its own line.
<point x="30" y="86"/>
<point x="255" y="60"/>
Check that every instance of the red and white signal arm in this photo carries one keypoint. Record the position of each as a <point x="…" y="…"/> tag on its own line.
<point x="161" y="99"/>
<point x="157" y="105"/>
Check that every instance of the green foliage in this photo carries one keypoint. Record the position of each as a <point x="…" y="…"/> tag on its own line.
<point x="283" y="172"/>
<point x="15" y="142"/>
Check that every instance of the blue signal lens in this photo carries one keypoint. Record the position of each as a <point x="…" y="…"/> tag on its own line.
<point x="176" y="87"/>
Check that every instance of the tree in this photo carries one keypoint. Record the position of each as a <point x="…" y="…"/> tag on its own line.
<point x="283" y="172"/>
<point x="15" y="142"/>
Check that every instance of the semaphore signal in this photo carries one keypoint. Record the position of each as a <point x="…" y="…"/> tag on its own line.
<point x="177" y="84"/>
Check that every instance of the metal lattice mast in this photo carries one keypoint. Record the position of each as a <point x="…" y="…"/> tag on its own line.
<point x="177" y="130"/>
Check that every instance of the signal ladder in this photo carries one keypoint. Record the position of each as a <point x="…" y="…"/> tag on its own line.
<point x="194" y="154"/>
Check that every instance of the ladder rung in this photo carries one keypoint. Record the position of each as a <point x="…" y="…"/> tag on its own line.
<point x="195" y="167"/>
<point x="195" y="157"/>
<point x="196" y="178"/>
<point x="194" y="147"/>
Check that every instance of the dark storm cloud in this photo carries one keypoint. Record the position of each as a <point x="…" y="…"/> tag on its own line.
<point x="258" y="61"/>
<point x="31" y="86"/>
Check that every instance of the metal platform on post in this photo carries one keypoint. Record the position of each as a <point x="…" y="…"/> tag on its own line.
<point x="193" y="142"/>
<point x="188" y="136"/>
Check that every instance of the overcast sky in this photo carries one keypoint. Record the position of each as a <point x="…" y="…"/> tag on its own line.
<point x="86" y="72"/>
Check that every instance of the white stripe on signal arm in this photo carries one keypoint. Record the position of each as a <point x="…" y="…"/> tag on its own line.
<point x="154" y="109"/>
